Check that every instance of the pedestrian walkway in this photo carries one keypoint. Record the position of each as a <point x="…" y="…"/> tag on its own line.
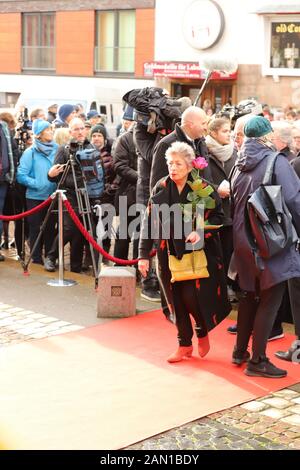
<point x="18" y="324"/>
<point x="271" y="422"/>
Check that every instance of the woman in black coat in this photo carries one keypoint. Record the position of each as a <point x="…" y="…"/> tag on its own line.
<point x="206" y="298"/>
<point x="263" y="288"/>
<point x="222" y="157"/>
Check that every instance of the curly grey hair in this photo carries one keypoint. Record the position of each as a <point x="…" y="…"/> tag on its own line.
<point x="284" y="130"/>
<point x="182" y="149"/>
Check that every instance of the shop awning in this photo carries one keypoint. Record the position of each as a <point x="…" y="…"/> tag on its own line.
<point x="282" y="9"/>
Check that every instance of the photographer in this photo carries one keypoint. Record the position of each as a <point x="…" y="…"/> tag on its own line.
<point x="7" y="167"/>
<point x="71" y="232"/>
<point x="15" y="201"/>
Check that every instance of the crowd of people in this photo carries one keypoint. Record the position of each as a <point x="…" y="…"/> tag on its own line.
<point x="152" y="163"/>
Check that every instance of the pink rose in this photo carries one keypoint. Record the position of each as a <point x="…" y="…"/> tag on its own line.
<point x="200" y="163"/>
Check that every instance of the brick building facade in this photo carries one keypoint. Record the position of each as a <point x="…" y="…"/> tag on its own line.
<point x="72" y="37"/>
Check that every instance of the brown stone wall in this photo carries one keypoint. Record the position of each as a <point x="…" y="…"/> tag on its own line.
<point x="251" y="83"/>
<point x="71" y="5"/>
<point x="10" y="43"/>
<point x="75" y="35"/>
<point x="144" y="39"/>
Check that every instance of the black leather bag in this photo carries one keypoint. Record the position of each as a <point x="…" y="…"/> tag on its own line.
<point x="268" y="222"/>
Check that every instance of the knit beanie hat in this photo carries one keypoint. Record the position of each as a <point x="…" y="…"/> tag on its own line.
<point x="39" y="125"/>
<point x="99" y="128"/>
<point x="257" y="126"/>
<point x="64" y="111"/>
<point x="92" y="113"/>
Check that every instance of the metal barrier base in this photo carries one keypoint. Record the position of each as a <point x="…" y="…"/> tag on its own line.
<point x="61" y="283"/>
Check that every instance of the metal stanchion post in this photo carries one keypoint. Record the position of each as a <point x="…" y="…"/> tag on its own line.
<point x="61" y="282"/>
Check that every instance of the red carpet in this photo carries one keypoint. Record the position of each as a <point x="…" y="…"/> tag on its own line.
<point x="109" y="386"/>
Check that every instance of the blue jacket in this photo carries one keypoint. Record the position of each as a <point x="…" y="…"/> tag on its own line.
<point x="33" y="170"/>
<point x="248" y="175"/>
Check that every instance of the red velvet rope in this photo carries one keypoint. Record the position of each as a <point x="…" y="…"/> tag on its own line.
<point x="27" y="213"/>
<point x="92" y="241"/>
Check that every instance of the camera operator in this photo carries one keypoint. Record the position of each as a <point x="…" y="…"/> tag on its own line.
<point x="71" y="232"/>
<point x="15" y="201"/>
<point x="7" y="165"/>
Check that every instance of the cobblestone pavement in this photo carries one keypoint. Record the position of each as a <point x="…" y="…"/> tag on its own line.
<point x="271" y="422"/>
<point x="17" y="324"/>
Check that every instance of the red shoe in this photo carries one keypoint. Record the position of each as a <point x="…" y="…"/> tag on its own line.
<point x="181" y="353"/>
<point x="203" y="346"/>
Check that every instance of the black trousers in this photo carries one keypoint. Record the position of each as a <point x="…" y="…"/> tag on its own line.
<point x="72" y="235"/>
<point x="122" y="244"/>
<point x="15" y="203"/>
<point x="21" y="226"/>
<point x="186" y="303"/>
<point x="257" y="314"/>
<point x="87" y="249"/>
<point x="35" y="221"/>
<point x="294" y="292"/>
<point x="226" y="239"/>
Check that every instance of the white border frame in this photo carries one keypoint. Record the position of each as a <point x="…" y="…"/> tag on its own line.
<point x="266" y="69"/>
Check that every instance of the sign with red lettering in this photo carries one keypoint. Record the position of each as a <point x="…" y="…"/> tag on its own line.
<point x="182" y="70"/>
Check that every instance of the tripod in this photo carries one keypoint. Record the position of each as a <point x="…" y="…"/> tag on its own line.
<point x="83" y="202"/>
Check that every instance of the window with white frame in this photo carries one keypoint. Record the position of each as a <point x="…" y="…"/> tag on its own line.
<point x="283" y="45"/>
<point x="38" y="41"/>
<point x="115" y="41"/>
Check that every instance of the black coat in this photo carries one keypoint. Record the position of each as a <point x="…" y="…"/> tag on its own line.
<point x="111" y="180"/>
<point x="212" y="291"/>
<point x="219" y="172"/>
<point x="145" y="143"/>
<point x="287" y="152"/>
<point x="296" y="165"/>
<point x="247" y="177"/>
<point x="159" y="167"/>
<point x="125" y="163"/>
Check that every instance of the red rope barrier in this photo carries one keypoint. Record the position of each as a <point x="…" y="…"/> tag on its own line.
<point x="27" y="213"/>
<point x="93" y="242"/>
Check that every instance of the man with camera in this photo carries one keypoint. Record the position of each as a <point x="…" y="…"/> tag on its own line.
<point x="66" y="155"/>
<point x="7" y="167"/>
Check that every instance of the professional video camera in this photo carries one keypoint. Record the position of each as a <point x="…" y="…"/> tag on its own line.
<point x="74" y="147"/>
<point x="154" y="108"/>
<point x="233" y="112"/>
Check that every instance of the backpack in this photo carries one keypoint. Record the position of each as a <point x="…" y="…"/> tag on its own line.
<point x="268" y="222"/>
<point x="92" y="169"/>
